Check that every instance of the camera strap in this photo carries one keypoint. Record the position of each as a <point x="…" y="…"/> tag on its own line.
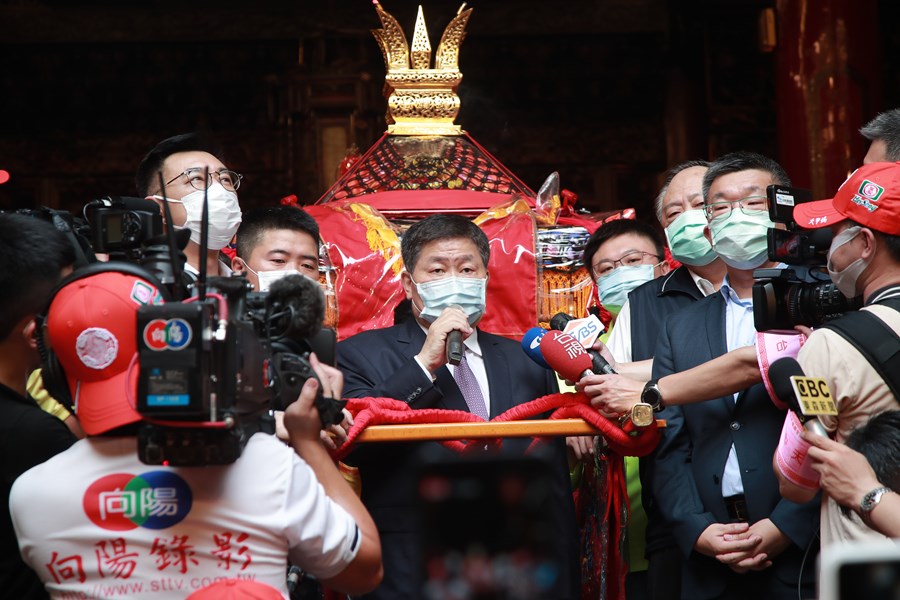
<point x="875" y="340"/>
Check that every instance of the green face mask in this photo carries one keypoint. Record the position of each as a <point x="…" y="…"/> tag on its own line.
<point x="686" y="240"/>
<point x="740" y="239"/>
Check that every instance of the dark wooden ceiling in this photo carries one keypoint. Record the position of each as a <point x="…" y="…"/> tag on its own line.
<point x="607" y="92"/>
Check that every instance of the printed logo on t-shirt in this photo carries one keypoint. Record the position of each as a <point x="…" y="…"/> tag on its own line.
<point x="152" y="500"/>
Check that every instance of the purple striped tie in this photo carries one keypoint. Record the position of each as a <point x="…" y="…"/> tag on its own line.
<point x="470" y="389"/>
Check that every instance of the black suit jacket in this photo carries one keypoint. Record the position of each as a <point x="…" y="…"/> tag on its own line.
<point x="380" y="363"/>
<point x="690" y="460"/>
<point x="650" y="304"/>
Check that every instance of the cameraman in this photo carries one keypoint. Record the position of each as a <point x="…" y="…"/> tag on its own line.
<point x="95" y="521"/>
<point x="864" y="259"/>
<point x="884" y="134"/>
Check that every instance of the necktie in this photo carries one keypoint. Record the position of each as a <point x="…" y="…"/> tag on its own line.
<point x="470" y="389"/>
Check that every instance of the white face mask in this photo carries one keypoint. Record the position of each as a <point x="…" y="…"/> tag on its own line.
<point x="267" y="278"/>
<point x="741" y="240"/>
<point x="469" y="293"/>
<point x="224" y="215"/>
<point x="846" y="279"/>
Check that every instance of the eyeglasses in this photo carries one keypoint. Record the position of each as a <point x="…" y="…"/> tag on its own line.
<point x="633" y="258"/>
<point x="748" y="204"/>
<point x="230" y="180"/>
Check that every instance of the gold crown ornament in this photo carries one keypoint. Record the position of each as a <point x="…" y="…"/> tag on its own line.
<point x="421" y="100"/>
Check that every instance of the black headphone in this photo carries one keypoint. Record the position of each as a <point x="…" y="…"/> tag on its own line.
<point x="52" y="372"/>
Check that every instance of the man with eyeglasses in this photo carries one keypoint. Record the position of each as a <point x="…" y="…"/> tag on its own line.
<point x="655" y="561"/>
<point x="622" y="255"/>
<point x="713" y="480"/>
<point x="184" y="161"/>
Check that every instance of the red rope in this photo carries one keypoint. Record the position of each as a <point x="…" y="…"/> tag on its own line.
<point x="628" y="441"/>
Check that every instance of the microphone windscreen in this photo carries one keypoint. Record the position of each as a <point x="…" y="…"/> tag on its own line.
<point x="531" y="344"/>
<point x="565" y="355"/>
<point x="559" y="321"/>
<point x="304" y="299"/>
<point x="780" y="373"/>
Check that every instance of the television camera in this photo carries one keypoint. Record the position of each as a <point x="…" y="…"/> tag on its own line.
<point x="213" y="366"/>
<point x="782" y="297"/>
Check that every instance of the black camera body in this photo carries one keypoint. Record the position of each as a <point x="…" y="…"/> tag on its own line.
<point x="782" y="298"/>
<point x="131" y="229"/>
<point x="212" y="369"/>
<point x="120" y="225"/>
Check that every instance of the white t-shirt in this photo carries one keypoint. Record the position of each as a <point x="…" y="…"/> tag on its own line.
<point x="95" y="522"/>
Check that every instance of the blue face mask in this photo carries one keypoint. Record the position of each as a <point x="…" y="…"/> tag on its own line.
<point x="468" y="293"/>
<point x="615" y="287"/>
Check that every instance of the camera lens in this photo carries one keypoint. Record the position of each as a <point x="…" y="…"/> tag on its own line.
<point x="813" y="304"/>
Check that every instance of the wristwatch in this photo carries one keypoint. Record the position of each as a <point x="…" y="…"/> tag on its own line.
<point x="652" y="395"/>
<point x="870" y="501"/>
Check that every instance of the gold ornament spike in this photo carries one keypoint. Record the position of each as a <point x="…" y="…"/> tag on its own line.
<point x="392" y="40"/>
<point x="421" y="100"/>
<point x="447" y="56"/>
<point x="420" y="54"/>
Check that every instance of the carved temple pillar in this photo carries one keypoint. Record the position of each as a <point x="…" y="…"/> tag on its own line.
<point x="828" y="70"/>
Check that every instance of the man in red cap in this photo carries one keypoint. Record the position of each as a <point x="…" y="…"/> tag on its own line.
<point x="864" y="260"/>
<point x="94" y="521"/>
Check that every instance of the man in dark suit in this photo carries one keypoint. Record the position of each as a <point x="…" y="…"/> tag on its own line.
<point x="446" y="258"/>
<point x="713" y="480"/>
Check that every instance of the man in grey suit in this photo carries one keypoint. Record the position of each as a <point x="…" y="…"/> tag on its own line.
<point x="446" y="259"/>
<point x="713" y="479"/>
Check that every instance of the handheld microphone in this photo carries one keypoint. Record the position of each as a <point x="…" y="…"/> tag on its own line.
<point x="565" y="355"/>
<point x="791" y="455"/>
<point x="531" y="344"/>
<point x="585" y="331"/>
<point x="559" y="321"/>
<point x="780" y="373"/>
<point x="454" y="343"/>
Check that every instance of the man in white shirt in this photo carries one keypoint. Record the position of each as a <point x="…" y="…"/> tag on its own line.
<point x="183" y="160"/>
<point x="97" y="522"/>
<point x="712" y="475"/>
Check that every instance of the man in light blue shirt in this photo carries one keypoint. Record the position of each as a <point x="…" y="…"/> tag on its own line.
<point x="713" y="478"/>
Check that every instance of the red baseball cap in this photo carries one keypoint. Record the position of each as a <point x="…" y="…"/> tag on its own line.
<point x="92" y="328"/>
<point x="870" y="197"/>
<point x="237" y="589"/>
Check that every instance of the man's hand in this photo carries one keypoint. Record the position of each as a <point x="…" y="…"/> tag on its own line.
<point x="581" y="446"/>
<point x="844" y="473"/>
<point x="772" y="543"/>
<point x="301" y="419"/>
<point x="612" y="395"/>
<point x="433" y="354"/>
<point x="605" y="353"/>
<point x="335" y="435"/>
<point x="729" y="543"/>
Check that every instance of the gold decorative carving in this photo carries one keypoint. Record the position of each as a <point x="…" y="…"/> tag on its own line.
<point x="421" y="100"/>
